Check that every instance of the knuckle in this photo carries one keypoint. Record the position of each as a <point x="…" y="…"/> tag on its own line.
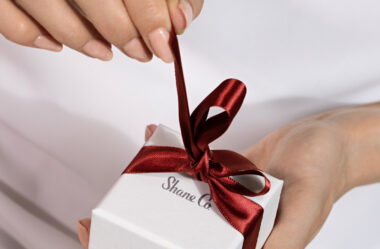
<point x="154" y="16"/>
<point x="118" y="29"/>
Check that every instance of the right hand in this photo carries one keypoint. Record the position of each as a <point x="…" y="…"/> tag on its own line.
<point x="139" y="28"/>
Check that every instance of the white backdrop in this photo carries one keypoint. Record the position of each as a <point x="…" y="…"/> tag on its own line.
<point x="69" y="124"/>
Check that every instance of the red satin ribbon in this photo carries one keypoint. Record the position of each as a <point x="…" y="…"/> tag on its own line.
<point x="214" y="167"/>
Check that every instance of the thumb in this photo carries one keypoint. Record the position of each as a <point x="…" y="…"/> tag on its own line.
<point x="183" y="12"/>
<point x="301" y="214"/>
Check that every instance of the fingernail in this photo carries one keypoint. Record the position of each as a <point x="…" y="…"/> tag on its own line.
<point x="149" y="131"/>
<point x="187" y="12"/>
<point x="97" y="49"/>
<point x="136" y="49"/>
<point x="159" y="41"/>
<point x="46" y="42"/>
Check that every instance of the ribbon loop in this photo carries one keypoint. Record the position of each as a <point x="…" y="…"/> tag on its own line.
<point x="229" y="96"/>
<point x="215" y="167"/>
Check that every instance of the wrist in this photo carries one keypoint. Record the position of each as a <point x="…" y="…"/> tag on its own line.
<point x="361" y="128"/>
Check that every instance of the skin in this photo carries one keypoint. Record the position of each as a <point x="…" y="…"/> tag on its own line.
<point x="319" y="158"/>
<point x="91" y="27"/>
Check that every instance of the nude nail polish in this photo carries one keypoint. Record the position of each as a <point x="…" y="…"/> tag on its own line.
<point x="159" y="41"/>
<point x="136" y="49"/>
<point x="187" y="11"/>
<point x="97" y="49"/>
<point x="48" y="43"/>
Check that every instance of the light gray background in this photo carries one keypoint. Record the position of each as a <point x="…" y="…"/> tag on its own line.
<point x="69" y="124"/>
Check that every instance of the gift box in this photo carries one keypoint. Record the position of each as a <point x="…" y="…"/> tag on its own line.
<point x="177" y="193"/>
<point x="173" y="210"/>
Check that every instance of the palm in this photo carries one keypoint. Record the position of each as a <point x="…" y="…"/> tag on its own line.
<point x="309" y="157"/>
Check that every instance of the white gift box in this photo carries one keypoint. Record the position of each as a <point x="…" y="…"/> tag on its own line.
<point x="172" y="210"/>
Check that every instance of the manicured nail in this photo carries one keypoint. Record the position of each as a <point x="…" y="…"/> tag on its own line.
<point x="149" y="131"/>
<point x="187" y="12"/>
<point x="136" y="49"/>
<point x="159" y="41"/>
<point x="46" y="42"/>
<point x="97" y="49"/>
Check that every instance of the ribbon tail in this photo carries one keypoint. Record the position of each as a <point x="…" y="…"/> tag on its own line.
<point x="243" y="214"/>
<point x="250" y="241"/>
<point x="158" y="159"/>
<point x="183" y="105"/>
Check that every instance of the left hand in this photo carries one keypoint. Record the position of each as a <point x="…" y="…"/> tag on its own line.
<point x="319" y="159"/>
<point x="310" y="157"/>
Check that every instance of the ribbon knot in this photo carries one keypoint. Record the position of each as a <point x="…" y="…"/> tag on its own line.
<point x="200" y="169"/>
<point x="214" y="167"/>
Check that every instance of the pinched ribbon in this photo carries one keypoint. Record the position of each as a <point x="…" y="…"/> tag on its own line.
<point x="214" y="167"/>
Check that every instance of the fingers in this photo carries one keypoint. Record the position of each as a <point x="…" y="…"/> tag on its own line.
<point x="301" y="214"/>
<point x="84" y="227"/>
<point x="152" y="20"/>
<point x="111" y="19"/>
<point x="137" y="27"/>
<point x="149" y="130"/>
<point x="18" y="27"/>
<point x="182" y="13"/>
<point x="197" y="6"/>
<point x="67" y="26"/>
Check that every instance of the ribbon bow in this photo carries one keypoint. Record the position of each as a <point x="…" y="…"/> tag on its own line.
<point x="214" y="167"/>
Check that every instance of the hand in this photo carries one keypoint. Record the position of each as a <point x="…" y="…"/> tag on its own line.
<point x="137" y="27"/>
<point x="310" y="157"/>
<point x="319" y="159"/>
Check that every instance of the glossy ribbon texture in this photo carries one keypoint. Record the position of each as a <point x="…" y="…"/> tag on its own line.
<point x="215" y="167"/>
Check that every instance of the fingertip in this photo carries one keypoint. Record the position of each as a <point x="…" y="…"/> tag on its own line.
<point x="187" y="10"/>
<point x="149" y="130"/>
<point x="98" y="49"/>
<point x="83" y="227"/>
<point x="136" y="49"/>
<point x="159" y="42"/>
<point x="48" y="43"/>
<point x="181" y="15"/>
